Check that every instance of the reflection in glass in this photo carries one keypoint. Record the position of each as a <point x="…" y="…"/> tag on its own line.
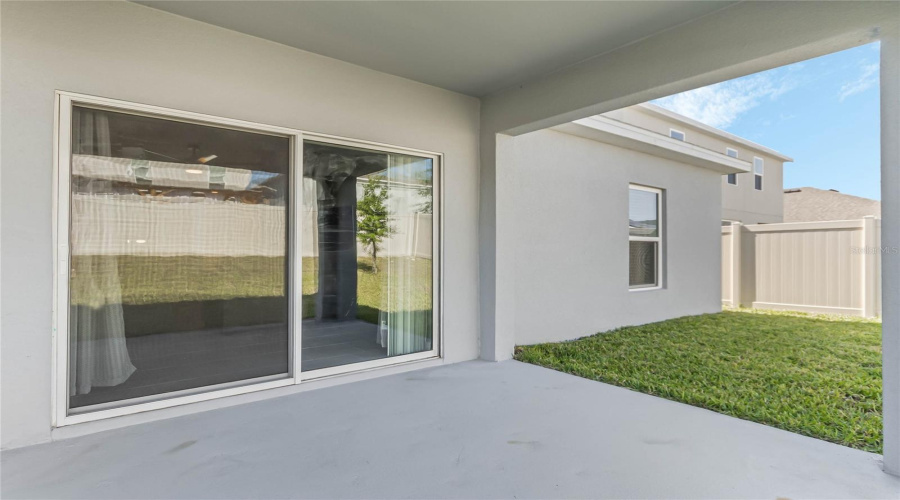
<point x="643" y="213"/>
<point x="367" y="255"/>
<point x="178" y="246"/>
<point x="642" y="258"/>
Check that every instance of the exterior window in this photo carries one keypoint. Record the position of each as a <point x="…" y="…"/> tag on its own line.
<point x="758" y="168"/>
<point x="676" y="134"/>
<point x="644" y="237"/>
<point x="732" y="178"/>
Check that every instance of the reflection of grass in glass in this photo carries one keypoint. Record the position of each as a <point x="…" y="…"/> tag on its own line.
<point x="151" y="280"/>
<point x="310" y="286"/>
<point x="370" y="285"/>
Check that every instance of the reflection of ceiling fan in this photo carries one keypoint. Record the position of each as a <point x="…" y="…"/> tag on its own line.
<point x="202" y="159"/>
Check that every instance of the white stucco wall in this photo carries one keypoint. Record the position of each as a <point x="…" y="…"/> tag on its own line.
<point x="571" y="227"/>
<point x="126" y="51"/>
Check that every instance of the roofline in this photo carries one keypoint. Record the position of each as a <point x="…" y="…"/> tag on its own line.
<point x="800" y="190"/>
<point x="603" y="129"/>
<point x="660" y="111"/>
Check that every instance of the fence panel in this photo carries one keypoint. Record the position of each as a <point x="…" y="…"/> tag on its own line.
<point x="727" y="266"/>
<point x="826" y="267"/>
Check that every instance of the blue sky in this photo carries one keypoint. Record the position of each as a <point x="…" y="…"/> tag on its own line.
<point x="823" y="112"/>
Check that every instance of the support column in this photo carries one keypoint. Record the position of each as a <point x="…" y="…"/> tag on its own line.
<point x="337" y="254"/>
<point x="497" y="252"/>
<point x="890" y="239"/>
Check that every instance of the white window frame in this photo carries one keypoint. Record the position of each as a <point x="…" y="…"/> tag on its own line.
<point x="728" y="152"/>
<point x="676" y="131"/>
<point x="658" y="239"/>
<point x="62" y="147"/>
<point x="760" y="173"/>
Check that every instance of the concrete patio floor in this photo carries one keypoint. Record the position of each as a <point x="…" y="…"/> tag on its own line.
<point x="470" y="430"/>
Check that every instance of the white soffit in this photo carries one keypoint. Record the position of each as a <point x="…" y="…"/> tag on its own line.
<point x="607" y="130"/>
<point x="474" y="48"/>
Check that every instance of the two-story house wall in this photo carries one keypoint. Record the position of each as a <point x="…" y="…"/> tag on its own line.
<point x="750" y="198"/>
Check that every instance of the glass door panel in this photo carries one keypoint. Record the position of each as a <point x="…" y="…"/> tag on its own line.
<point x="179" y="268"/>
<point x="367" y="232"/>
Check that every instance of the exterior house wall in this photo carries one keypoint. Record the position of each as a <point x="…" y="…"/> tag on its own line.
<point x="744" y="204"/>
<point x="571" y="226"/>
<point x="740" y="202"/>
<point x="126" y="51"/>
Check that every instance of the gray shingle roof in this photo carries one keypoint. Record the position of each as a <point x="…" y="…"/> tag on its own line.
<point x="809" y="204"/>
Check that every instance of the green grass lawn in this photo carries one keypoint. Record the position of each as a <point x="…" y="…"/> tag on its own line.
<point x="815" y="375"/>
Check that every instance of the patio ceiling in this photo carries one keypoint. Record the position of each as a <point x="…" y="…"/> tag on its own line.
<point x="475" y="48"/>
<point x="468" y="430"/>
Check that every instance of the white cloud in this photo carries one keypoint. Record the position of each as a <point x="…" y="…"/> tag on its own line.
<point x="720" y="105"/>
<point x="867" y="79"/>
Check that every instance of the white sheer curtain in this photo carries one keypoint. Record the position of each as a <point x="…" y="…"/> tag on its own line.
<point x="98" y="353"/>
<point x="405" y="317"/>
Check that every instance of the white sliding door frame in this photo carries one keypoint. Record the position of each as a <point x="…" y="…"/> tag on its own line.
<point x="65" y="101"/>
<point x="62" y="148"/>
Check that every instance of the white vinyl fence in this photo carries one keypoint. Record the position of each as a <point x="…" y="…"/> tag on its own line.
<point x="824" y="267"/>
<point x="149" y="226"/>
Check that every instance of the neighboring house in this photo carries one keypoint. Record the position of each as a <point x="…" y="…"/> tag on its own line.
<point x="809" y="204"/>
<point x="749" y="197"/>
<point x="180" y="200"/>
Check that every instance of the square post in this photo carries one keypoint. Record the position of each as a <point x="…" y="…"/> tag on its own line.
<point x="736" y="229"/>
<point x="890" y="239"/>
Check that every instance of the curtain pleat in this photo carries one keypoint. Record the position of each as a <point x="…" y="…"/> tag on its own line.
<point x="98" y="352"/>
<point x="405" y="319"/>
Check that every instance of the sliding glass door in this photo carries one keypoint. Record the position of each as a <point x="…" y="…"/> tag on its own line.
<point x="201" y="257"/>
<point x="179" y="268"/>
<point x="368" y="255"/>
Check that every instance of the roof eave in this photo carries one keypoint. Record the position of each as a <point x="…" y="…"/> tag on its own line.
<point x="671" y="115"/>
<point x="616" y="133"/>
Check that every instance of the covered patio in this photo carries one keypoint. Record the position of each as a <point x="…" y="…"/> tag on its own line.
<point x="448" y="426"/>
<point x="467" y="430"/>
